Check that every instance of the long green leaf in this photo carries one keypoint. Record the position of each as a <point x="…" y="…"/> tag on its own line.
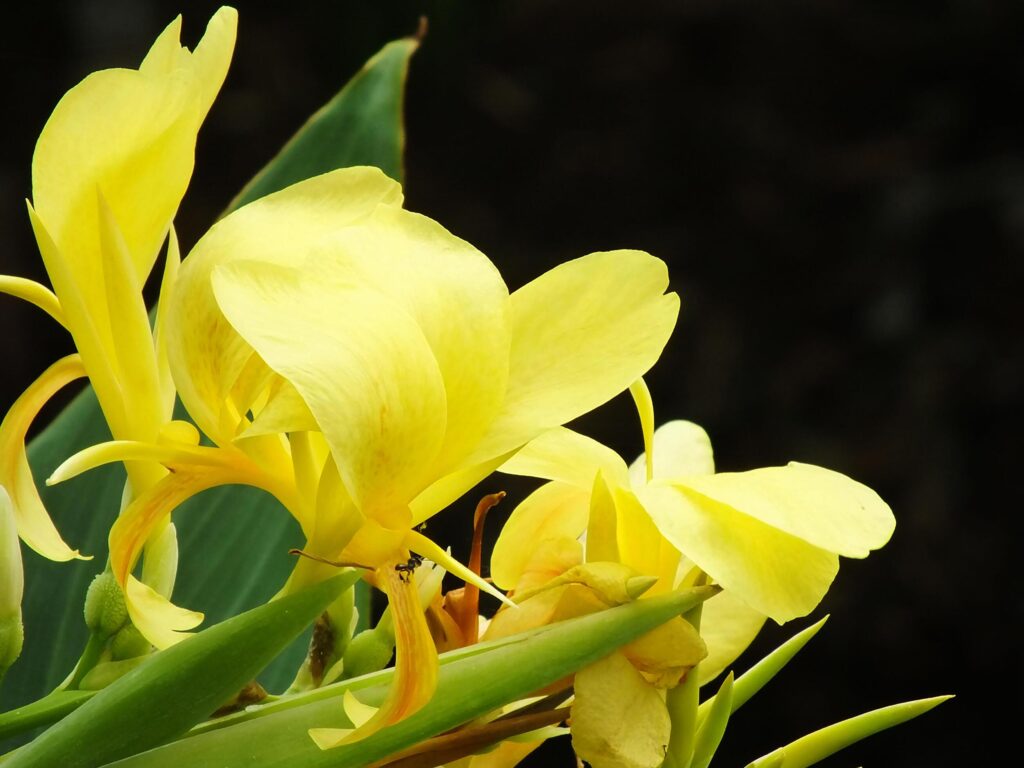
<point x="179" y="686"/>
<point x="468" y="687"/>
<point x="47" y="710"/>
<point x="234" y="541"/>
<point x="815" y="747"/>
<point x="362" y="125"/>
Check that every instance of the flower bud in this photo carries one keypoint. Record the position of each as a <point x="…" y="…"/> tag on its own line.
<point x="105" y="611"/>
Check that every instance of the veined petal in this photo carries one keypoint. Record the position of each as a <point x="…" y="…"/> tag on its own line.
<point x="553" y="511"/>
<point x="364" y="369"/>
<point x="416" y="665"/>
<point x="34" y="524"/>
<point x="132" y="134"/>
<point x="34" y="293"/>
<point x="773" y="572"/>
<point x="284" y="412"/>
<point x="568" y="457"/>
<point x="619" y="720"/>
<point x="581" y="334"/>
<point x="206" y="353"/>
<point x="170" y="456"/>
<point x="681" y="449"/>
<point x="822" y="507"/>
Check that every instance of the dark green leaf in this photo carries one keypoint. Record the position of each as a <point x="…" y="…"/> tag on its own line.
<point x="179" y="686"/>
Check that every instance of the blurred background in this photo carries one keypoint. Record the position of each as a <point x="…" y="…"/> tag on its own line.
<point x="838" y="189"/>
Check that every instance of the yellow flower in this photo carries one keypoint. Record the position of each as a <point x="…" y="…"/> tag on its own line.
<point x="770" y="537"/>
<point x="110" y="168"/>
<point x="377" y="368"/>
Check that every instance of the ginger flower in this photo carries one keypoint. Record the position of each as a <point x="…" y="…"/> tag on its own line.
<point x="376" y="367"/>
<point x="770" y="537"/>
<point x="110" y="169"/>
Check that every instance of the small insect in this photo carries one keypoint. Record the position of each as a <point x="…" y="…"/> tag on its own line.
<point x="406" y="569"/>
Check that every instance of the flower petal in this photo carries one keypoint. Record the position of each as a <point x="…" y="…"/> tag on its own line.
<point x="364" y="369"/>
<point x="728" y="626"/>
<point x="820" y="506"/>
<point x="581" y="334"/>
<point x="206" y="353"/>
<point x="34" y="524"/>
<point x="619" y="720"/>
<point x="568" y="457"/>
<point x="34" y="293"/>
<point x="773" y="572"/>
<point x="553" y="511"/>
<point x="681" y="449"/>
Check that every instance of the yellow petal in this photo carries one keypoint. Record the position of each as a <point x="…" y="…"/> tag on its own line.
<point x="553" y="511"/>
<point x="619" y="720"/>
<point x="582" y="333"/>
<point x="171" y="456"/>
<point x="567" y="456"/>
<point x="34" y="293"/>
<point x="34" y="524"/>
<point x="728" y="627"/>
<point x="364" y="369"/>
<point x="681" y="449"/>
<point x="442" y="492"/>
<point x="641" y="545"/>
<point x="421" y="545"/>
<point x="667" y="652"/>
<point x="157" y="619"/>
<point x="561" y="602"/>
<point x="167" y="283"/>
<point x="822" y="507"/>
<point x="131" y="134"/>
<point x="601" y="527"/>
<point x="206" y="354"/>
<point x="645" y="409"/>
<point x="773" y="572"/>
<point x="285" y="411"/>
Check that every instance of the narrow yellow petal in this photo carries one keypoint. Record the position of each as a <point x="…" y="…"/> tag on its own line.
<point x="822" y="507"/>
<point x="158" y="619"/>
<point x="34" y="293"/>
<point x="641" y="545"/>
<point x="553" y="511"/>
<point x="439" y="494"/>
<point x="34" y="524"/>
<point x="582" y="333"/>
<point x="645" y="408"/>
<point x="171" y="456"/>
<point x="421" y="545"/>
<point x="728" y="626"/>
<point x="601" y="527"/>
<point x="167" y="283"/>
<point x="356" y="711"/>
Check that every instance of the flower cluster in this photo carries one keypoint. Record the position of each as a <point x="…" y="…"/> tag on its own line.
<point x="368" y="368"/>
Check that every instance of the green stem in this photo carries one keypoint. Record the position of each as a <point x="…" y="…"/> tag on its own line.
<point x="89" y="659"/>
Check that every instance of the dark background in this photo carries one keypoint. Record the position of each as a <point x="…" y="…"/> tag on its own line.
<point x="838" y="189"/>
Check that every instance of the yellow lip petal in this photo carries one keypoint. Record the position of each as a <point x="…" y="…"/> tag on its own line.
<point x="158" y="619"/>
<point x="34" y="524"/>
<point x="568" y="457"/>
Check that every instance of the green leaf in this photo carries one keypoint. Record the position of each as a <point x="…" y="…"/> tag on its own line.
<point x="759" y="675"/>
<point x="47" y="710"/>
<point x="362" y="125"/>
<point x="469" y="686"/>
<point x="179" y="686"/>
<point x="818" y="745"/>
<point x="711" y="731"/>
<point x="233" y="541"/>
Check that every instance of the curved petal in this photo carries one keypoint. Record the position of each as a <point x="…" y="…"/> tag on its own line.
<point x="34" y="293"/>
<point x="728" y="626"/>
<point x="131" y="134"/>
<point x="641" y="545"/>
<point x="773" y="572"/>
<point x="34" y="524"/>
<point x="553" y="511"/>
<point x="206" y="353"/>
<point x="822" y="507"/>
<point x="365" y="370"/>
<point x="581" y="334"/>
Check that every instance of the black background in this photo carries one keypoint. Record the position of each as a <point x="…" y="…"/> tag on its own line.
<point x="838" y="189"/>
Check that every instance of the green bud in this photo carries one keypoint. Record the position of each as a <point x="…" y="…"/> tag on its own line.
<point x="105" y="611"/>
<point x="12" y="583"/>
<point x="369" y="651"/>
<point x="12" y="637"/>
<point x="128" y="643"/>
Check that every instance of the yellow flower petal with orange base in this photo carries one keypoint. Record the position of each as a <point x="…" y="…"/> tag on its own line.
<point x="34" y="525"/>
<point x="416" y="665"/>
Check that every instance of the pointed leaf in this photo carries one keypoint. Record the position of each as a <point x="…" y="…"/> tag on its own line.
<point x="710" y="733"/>
<point x="180" y="686"/>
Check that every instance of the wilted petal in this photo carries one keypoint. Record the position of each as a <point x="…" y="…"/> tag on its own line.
<point x="619" y="720"/>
